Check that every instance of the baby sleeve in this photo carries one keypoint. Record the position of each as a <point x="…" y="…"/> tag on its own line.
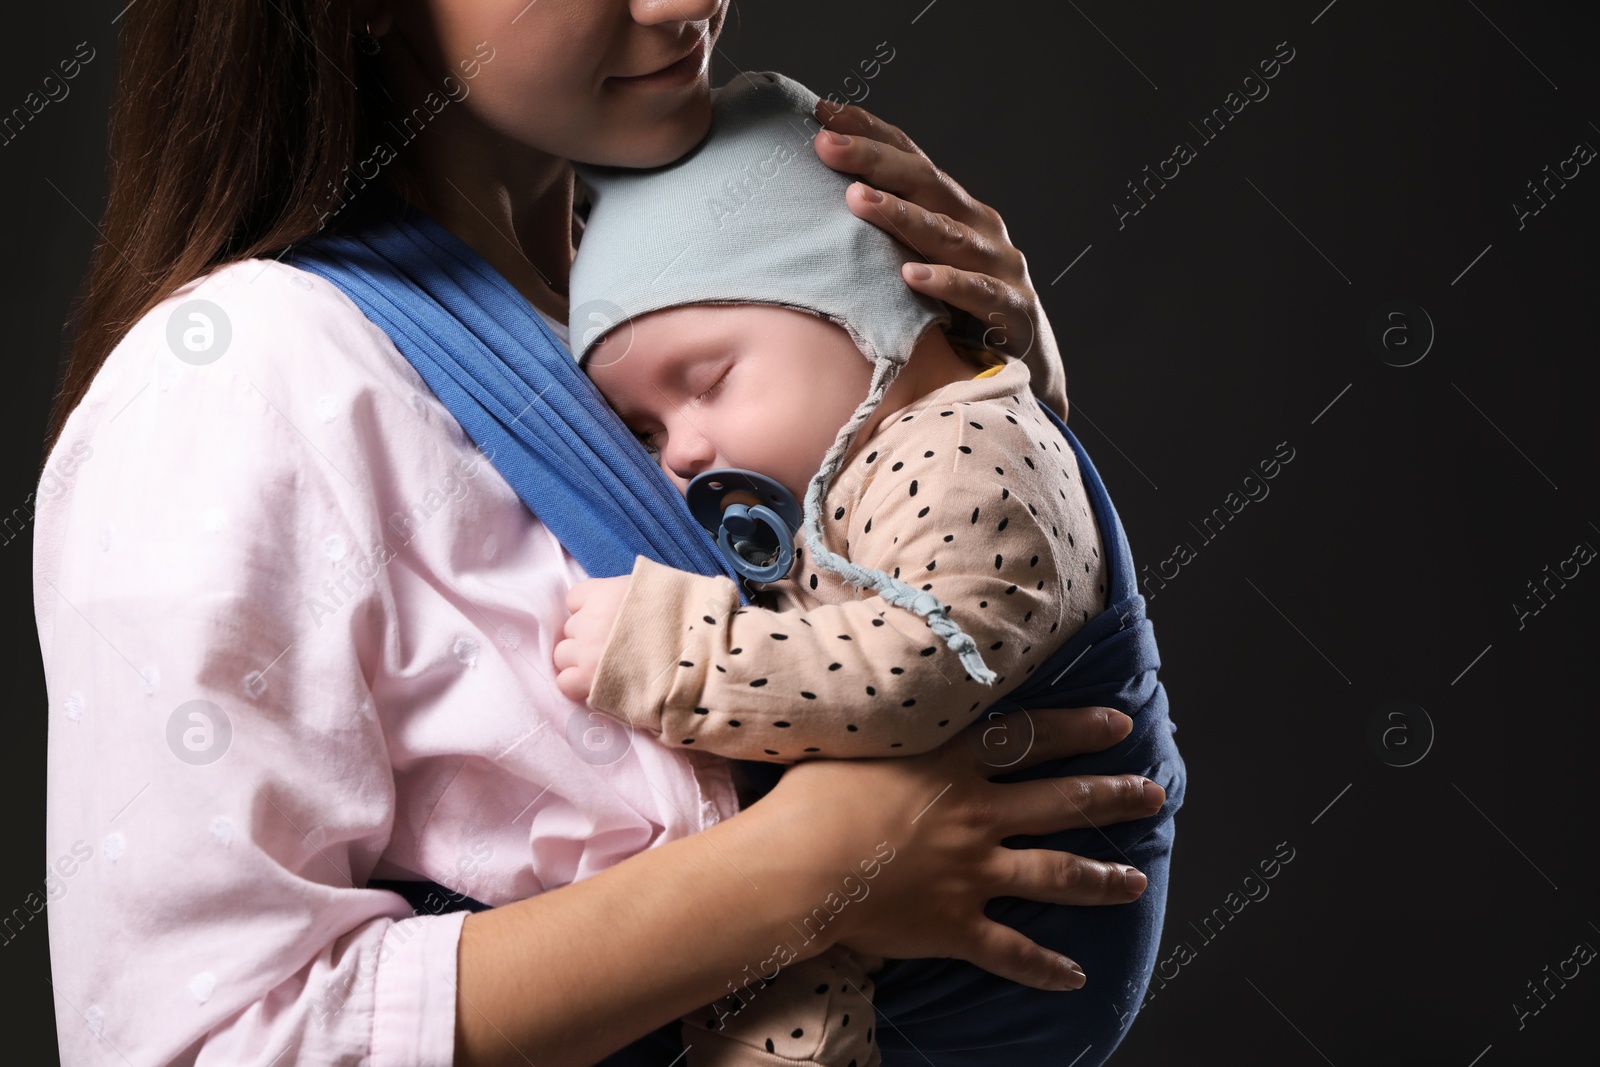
<point x="859" y="678"/>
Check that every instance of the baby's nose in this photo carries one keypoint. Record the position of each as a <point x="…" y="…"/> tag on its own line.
<point x="688" y="452"/>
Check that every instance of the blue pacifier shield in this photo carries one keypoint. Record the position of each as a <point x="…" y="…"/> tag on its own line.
<point x="753" y="518"/>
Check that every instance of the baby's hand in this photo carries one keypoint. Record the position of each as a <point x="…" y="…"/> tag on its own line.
<point x="593" y="603"/>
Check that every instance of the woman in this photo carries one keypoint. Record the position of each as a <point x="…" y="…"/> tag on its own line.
<point x="294" y="622"/>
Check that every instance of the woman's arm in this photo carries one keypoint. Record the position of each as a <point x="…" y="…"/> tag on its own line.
<point x="564" y="978"/>
<point x="219" y="767"/>
<point x="975" y="267"/>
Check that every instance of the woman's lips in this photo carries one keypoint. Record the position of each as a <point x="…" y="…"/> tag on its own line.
<point x="682" y="72"/>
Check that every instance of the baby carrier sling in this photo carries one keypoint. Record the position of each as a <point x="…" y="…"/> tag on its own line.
<point x="495" y="365"/>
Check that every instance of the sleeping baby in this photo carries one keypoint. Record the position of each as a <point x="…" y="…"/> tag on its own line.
<point x="946" y="547"/>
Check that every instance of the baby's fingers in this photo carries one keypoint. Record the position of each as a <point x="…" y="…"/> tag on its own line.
<point x="574" y="685"/>
<point x="578" y="594"/>
<point x="573" y="677"/>
<point x="1004" y="952"/>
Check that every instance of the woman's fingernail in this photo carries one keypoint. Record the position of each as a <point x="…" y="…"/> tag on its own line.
<point x="838" y="138"/>
<point x="1153" y="797"/>
<point x="1134" y="880"/>
<point x="872" y="195"/>
<point x="1073" y="970"/>
<point x="920" y="272"/>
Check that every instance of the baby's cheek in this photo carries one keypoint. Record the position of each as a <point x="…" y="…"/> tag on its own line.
<point x="801" y="452"/>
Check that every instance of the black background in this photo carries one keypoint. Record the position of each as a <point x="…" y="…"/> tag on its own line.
<point x="1222" y="320"/>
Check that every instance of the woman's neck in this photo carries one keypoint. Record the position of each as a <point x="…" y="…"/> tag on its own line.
<point x="509" y="203"/>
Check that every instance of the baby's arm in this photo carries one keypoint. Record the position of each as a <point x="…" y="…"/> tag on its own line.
<point x="855" y="679"/>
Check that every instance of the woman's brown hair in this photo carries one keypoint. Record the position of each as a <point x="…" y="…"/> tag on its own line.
<point x="232" y="124"/>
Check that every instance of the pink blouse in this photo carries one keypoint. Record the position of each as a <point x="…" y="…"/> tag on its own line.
<point x="296" y="632"/>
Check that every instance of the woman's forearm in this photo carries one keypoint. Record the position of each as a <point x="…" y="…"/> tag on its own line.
<point x="565" y="978"/>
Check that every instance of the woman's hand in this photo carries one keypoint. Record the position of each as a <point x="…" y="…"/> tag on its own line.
<point x="944" y="822"/>
<point x="972" y="264"/>
<point x="569" y="975"/>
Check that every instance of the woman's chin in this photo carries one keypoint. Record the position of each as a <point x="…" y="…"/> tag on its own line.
<point x="653" y="140"/>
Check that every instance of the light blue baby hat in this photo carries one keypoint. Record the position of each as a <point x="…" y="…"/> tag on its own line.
<point x="750" y="215"/>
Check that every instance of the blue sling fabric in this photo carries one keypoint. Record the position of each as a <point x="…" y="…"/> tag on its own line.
<point x="494" y="364"/>
<point x="961" y="1016"/>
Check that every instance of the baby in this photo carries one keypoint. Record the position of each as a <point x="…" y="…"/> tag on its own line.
<point x="948" y="548"/>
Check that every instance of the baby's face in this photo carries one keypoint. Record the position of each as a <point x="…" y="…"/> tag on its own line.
<point x="756" y="386"/>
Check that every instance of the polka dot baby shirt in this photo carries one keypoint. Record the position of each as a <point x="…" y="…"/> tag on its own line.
<point x="968" y="493"/>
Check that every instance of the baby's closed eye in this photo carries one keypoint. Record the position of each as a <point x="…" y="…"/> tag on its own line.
<point x="716" y="383"/>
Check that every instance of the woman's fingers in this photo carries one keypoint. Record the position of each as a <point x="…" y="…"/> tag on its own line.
<point x="936" y="236"/>
<point x="1006" y="310"/>
<point x="1054" y="877"/>
<point x="851" y="119"/>
<point x="975" y="269"/>
<point x="975" y="265"/>
<point x="1000" y="742"/>
<point x="1049" y="805"/>
<point x="855" y="142"/>
<point x="1002" y="951"/>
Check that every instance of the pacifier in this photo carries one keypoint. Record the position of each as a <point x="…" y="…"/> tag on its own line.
<point x="752" y="517"/>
